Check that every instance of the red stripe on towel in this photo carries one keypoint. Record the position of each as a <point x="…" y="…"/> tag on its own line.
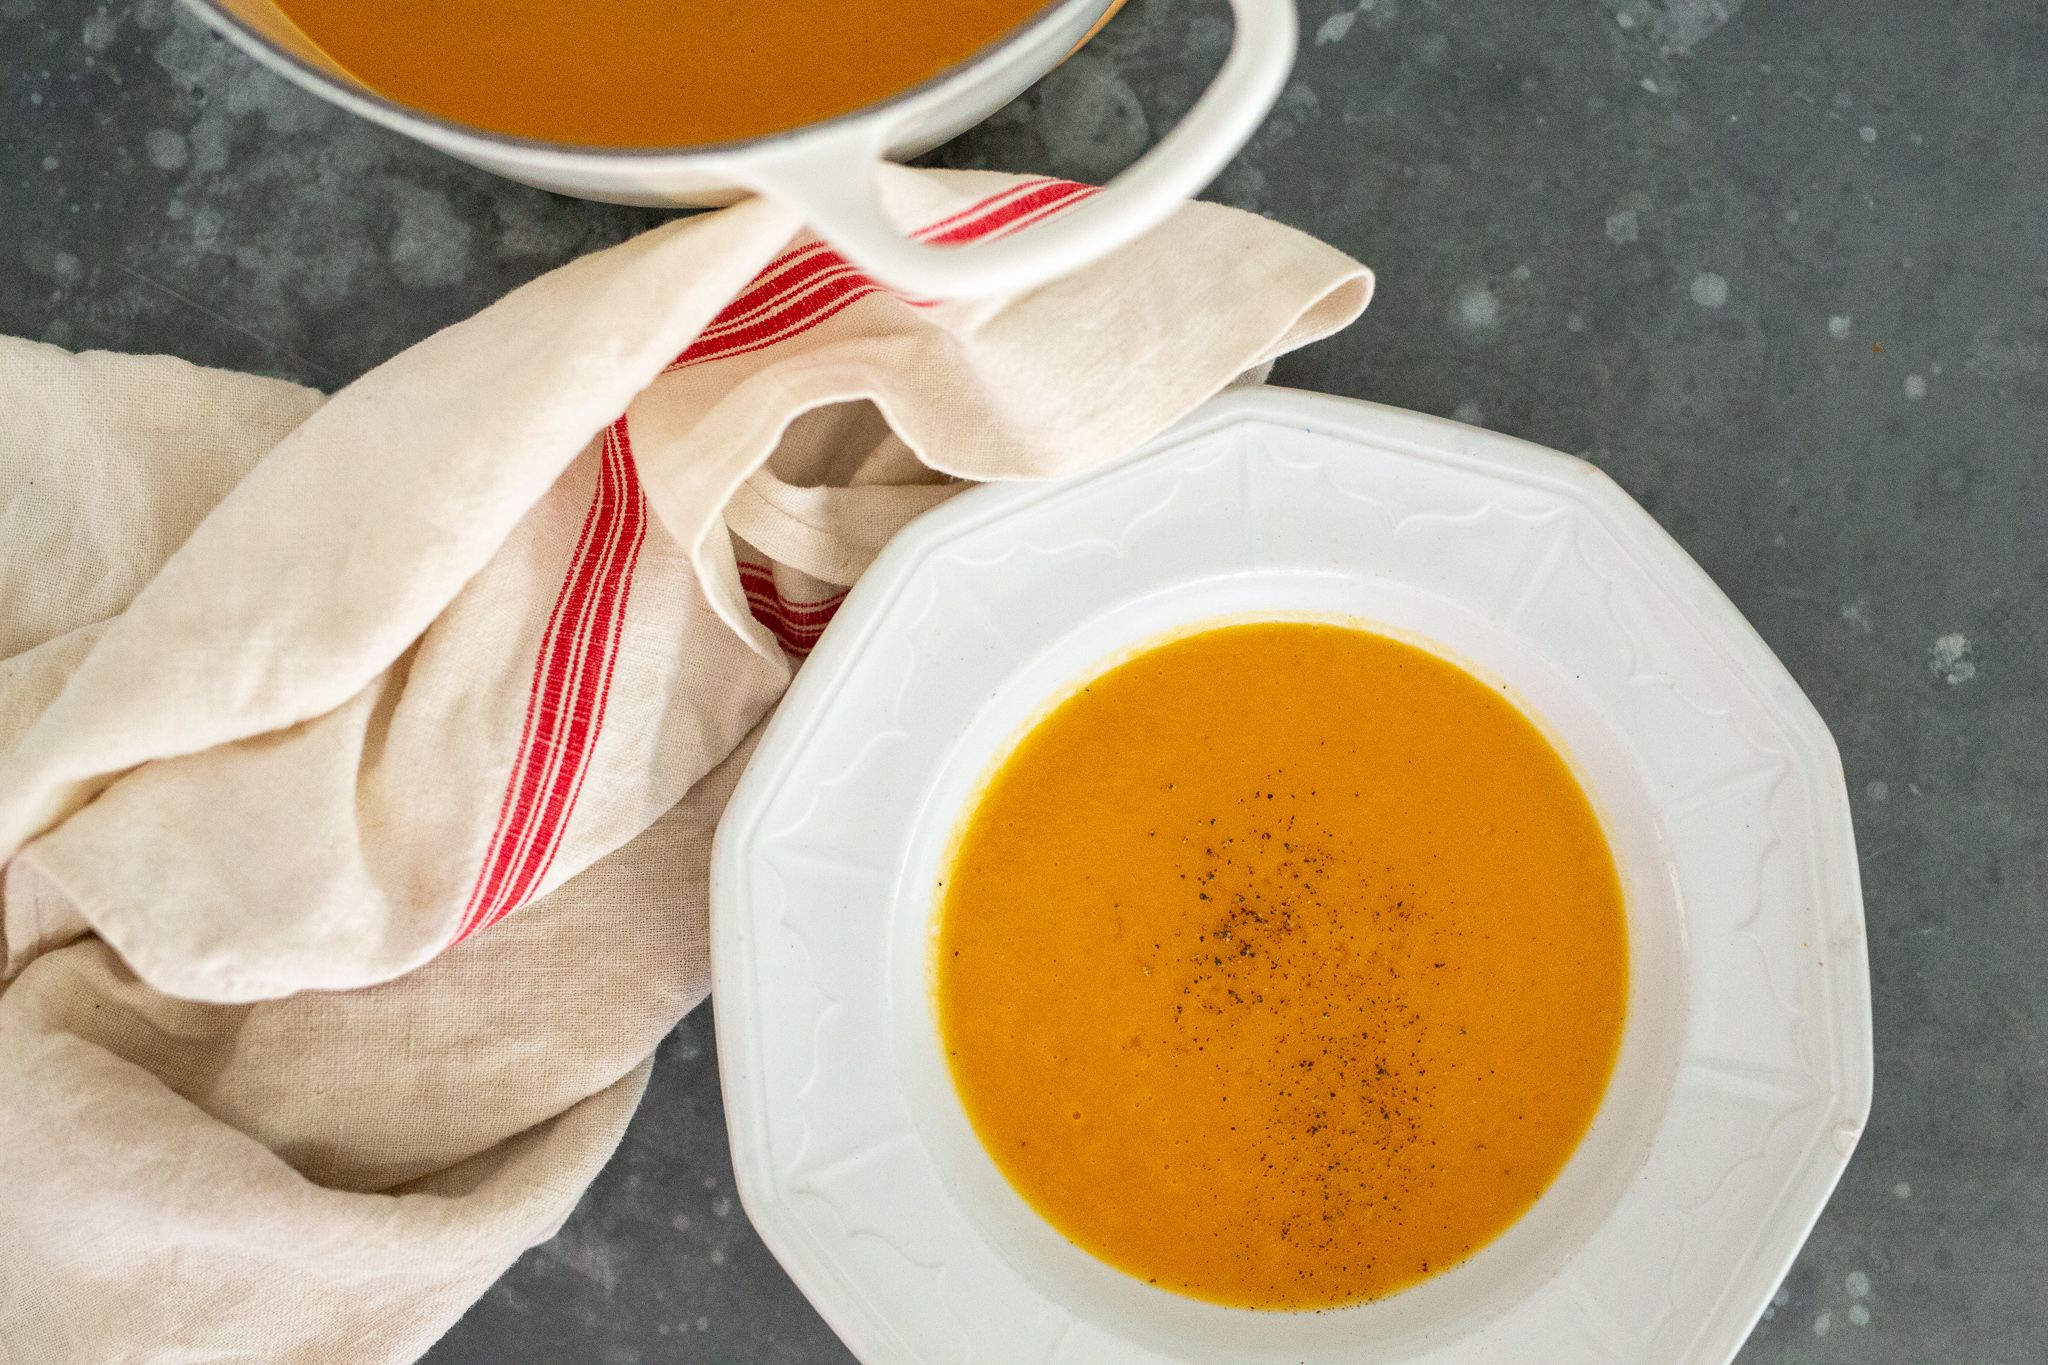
<point x="572" y="678"/>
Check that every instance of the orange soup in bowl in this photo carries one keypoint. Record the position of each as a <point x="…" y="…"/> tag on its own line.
<point x="640" y="73"/>
<point x="1283" y="965"/>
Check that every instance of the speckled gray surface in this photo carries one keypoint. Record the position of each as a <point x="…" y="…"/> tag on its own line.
<point x="1672" y="235"/>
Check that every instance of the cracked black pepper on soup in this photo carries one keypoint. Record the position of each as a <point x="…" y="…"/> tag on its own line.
<point x="1282" y="965"/>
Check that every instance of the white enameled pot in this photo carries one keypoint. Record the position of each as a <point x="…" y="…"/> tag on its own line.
<point x="826" y="169"/>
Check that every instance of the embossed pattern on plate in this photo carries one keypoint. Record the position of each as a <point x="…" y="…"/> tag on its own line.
<point x="1745" y="1070"/>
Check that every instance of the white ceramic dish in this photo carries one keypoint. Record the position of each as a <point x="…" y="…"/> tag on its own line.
<point x="1745" y="1073"/>
<point x="827" y="169"/>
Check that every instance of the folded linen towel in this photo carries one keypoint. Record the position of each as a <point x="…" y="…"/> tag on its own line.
<point x="360" y="755"/>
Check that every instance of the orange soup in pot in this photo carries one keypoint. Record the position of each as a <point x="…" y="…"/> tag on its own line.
<point x="1282" y="965"/>
<point x="643" y="73"/>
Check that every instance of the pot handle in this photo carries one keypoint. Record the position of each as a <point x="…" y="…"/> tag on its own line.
<point x="832" y="180"/>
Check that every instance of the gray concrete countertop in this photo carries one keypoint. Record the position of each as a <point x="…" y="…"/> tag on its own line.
<point x="1781" y="269"/>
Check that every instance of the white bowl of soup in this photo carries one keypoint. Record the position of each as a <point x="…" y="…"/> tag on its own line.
<point x="685" y="102"/>
<point x="1337" y="886"/>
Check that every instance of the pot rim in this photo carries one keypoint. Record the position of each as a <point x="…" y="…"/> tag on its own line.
<point x="449" y="133"/>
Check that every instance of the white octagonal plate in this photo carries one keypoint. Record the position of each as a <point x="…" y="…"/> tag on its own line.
<point x="1745" y="1072"/>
